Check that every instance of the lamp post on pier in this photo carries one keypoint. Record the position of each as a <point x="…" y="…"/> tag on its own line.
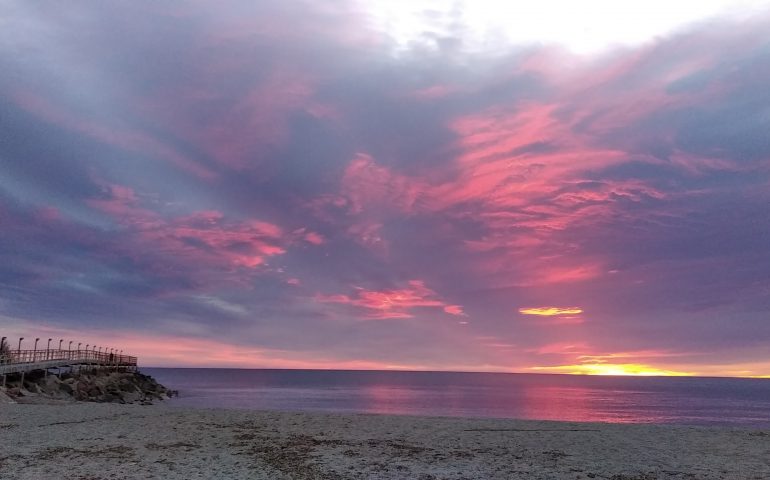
<point x="19" y="359"/>
<point x="48" y="354"/>
<point x="34" y="349"/>
<point x="60" y="342"/>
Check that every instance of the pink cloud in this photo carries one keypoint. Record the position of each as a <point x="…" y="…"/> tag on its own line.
<point x="388" y="304"/>
<point x="367" y="185"/>
<point x="454" y="310"/>
<point x="519" y="170"/>
<point x="257" y="122"/>
<point x="243" y="127"/>
<point x="204" y="236"/>
<point x="314" y="238"/>
<point x="370" y="235"/>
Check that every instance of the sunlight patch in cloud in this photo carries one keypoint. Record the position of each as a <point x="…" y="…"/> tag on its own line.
<point x="583" y="27"/>
<point x="551" y="311"/>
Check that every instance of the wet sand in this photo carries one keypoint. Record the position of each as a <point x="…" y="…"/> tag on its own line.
<point x="88" y="441"/>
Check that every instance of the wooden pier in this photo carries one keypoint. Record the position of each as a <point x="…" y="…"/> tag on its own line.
<point x="23" y="361"/>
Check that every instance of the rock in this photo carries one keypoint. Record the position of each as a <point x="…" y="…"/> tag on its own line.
<point x="94" y="391"/>
<point x="49" y="385"/>
<point x="131" y="397"/>
<point x="111" y="398"/>
<point x="5" y="398"/>
<point x="126" y="385"/>
<point x="30" y="387"/>
<point x="91" y="386"/>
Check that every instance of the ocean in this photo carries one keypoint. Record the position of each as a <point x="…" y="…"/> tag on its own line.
<point x="663" y="400"/>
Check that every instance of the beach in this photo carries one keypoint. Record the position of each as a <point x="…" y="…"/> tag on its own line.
<point x="91" y="441"/>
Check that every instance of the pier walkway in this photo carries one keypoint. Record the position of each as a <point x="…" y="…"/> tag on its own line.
<point x="22" y="361"/>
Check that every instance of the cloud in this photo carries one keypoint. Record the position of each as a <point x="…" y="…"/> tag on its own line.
<point x="203" y="236"/>
<point x="117" y="136"/>
<point x="551" y="311"/>
<point x="392" y="304"/>
<point x="454" y="310"/>
<point x="256" y="170"/>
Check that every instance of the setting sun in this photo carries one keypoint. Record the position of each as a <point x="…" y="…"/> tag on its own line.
<point x="622" y="369"/>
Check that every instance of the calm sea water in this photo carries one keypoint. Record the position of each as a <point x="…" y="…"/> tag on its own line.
<point x="699" y="401"/>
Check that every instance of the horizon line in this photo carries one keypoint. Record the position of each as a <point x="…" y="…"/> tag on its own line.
<point x="746" y="377"/>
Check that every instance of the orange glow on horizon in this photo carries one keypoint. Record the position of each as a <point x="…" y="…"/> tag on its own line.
<point x="174" y="351"/>
<point x="551" y="311"/>
<point x="622" y="369"/>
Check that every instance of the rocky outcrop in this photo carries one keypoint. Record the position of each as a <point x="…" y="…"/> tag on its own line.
<point x="98" y="386"/>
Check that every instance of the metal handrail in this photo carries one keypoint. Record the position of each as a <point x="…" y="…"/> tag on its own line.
<point x="74" y="356"/>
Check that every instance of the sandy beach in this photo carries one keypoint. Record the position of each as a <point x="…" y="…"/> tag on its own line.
<point x="88" y="441"/>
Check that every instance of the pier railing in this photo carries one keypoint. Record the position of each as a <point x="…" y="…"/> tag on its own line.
<point x="21" y="361"/>
<point x="73" y="356"/>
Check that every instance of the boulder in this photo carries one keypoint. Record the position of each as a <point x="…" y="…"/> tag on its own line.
<point x="14" y="392"/>
<point x="49" y="385"/>
<point x="132" y="397"/>
<point x="94" y="391"/>
<point x="5" y="398"/>
<point x="31" y="387"/>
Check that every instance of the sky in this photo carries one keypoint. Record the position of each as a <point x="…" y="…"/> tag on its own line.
<point x="567" y="187"/>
